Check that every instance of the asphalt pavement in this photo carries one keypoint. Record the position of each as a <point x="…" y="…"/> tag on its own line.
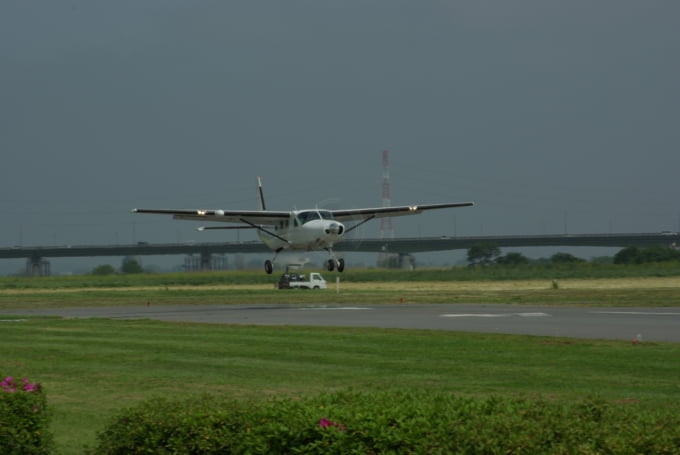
<point x="642" y="324"/>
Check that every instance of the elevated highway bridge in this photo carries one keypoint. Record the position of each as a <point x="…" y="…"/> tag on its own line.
<point x="37" y="264"/>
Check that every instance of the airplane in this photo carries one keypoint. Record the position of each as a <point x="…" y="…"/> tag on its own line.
<point x="311" y="229"/>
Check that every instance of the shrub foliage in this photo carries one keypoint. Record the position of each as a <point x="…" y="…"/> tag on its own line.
<point x="387" y="422"/>
<point x="23" y="418"/>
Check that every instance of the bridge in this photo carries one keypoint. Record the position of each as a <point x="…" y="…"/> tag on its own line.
<point x="38" y="265"/>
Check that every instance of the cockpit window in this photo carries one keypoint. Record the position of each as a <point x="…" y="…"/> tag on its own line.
<point x="309" y="215"/>
<point x="304" y="217"/>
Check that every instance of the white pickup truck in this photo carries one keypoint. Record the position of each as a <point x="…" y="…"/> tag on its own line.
<point x="298" y="280"/>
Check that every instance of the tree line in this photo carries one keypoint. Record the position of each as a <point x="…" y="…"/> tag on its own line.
<point x="485" y="254"/>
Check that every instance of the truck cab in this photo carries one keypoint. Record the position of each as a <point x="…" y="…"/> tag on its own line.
<point x="292" y="280"/>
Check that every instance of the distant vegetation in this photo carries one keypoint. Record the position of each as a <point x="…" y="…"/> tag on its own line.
<point x="633" y="255"/>
<point x="485" y="254"/>
<point x="490" y="257"/>
<point x="560" y="269"/>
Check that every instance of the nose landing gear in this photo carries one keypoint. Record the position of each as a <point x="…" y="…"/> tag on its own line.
<point x="334" y="263"/>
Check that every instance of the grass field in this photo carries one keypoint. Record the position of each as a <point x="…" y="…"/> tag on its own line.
<point x="92" y="368"/>
<point x="647" y="291"/>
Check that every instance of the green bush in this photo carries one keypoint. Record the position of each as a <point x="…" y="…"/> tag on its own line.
<point x="388" y="422"/>
<point x="23" y="418"/>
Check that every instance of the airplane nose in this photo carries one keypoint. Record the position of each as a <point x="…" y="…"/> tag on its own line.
<point x="335" y="229"/>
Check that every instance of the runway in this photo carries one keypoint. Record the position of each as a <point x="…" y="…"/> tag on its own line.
<point x="644" y="324"/>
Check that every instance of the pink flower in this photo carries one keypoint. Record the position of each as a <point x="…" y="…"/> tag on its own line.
<point x="325" y="423"/>
<point x="9" y="385"/>
<point x="28" y="387"/>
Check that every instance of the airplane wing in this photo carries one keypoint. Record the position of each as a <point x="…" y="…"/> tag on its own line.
<point x="381" y="212"/>
<point x="249" y="217"/>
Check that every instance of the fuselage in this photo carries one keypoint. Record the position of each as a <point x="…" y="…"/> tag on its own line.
<point x="305" y="230"/>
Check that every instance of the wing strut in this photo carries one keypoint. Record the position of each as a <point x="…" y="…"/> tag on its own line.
<point x="266" y="231"/>
<point x="359" y="224"/>
<point x="214" y="228"/>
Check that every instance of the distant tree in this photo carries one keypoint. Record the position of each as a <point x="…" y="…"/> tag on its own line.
<point x="565" y="258"/>
<point x="483" y="254"/>
<point x="131" y="265"/>
<point x="659" y="254"/>
<point x="105" y="269"/>
<point x="602" y="260"/>
<point x="513" y="259"/>
<point x="628" y="255"/>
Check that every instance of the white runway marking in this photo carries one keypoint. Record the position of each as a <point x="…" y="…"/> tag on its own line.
<point x="494" y="315"/>
<point x="637" y="313"/>
<point x="345" y="308"/>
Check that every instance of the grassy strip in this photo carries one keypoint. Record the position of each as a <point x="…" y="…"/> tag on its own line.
<point x="455" y="274"/>
<point x="592" y="292"/>
<point x="92" y="368"/>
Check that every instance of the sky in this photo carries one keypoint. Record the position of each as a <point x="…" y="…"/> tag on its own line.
<point x="552" y="116"/>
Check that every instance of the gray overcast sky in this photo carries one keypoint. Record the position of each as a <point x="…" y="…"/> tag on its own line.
<point x="550" y="115"/>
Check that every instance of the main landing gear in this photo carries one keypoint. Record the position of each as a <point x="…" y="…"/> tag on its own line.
<point x="269" y="265"/>
<point x="332" y="264"/>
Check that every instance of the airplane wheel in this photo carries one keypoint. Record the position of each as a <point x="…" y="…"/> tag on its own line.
<point x="331" y="265"/>
<point x="268" y="267"/>
<point x="341" y="265"/>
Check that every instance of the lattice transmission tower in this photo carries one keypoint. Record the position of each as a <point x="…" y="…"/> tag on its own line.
<point x="386" y="229"/>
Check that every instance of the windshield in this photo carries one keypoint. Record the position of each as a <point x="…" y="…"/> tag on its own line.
<point x="309" y="215"/>
<point x="304" y="217"/>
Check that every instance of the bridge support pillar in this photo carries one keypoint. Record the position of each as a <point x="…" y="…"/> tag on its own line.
<point x="205" y="261"/>
<point x="37" y="266"/>
<point x="407" y="261"/>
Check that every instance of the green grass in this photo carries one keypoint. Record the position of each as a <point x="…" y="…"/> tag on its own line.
<point x="617" y="292"/>
<point x="491" y="273"/>
<point x="92" y="368"/>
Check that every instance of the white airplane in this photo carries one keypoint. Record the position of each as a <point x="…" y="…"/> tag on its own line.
<point x="312" y="229"/>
